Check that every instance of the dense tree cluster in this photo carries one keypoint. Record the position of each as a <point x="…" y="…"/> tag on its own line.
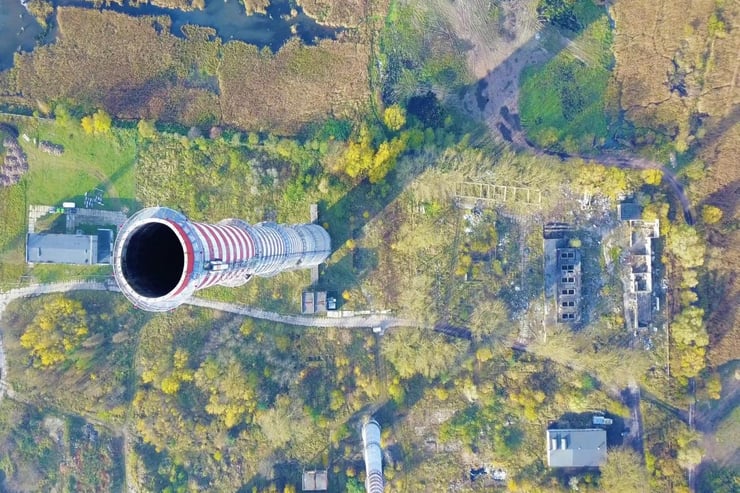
<point x="56" y="332"/>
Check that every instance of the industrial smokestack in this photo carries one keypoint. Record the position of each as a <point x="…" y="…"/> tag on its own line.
<point x="160" y="258"/>
<point x="373" y="457"/>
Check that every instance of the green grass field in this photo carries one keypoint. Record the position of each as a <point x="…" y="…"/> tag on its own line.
<point x="564" y="102"/>
<point x="88" y="162"/>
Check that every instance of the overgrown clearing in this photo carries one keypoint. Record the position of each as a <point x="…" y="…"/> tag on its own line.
<point x="42" y="450"/>
<point x="564" y="104"/>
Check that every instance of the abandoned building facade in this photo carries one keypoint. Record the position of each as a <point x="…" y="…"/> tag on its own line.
<point x="562" y="273"/>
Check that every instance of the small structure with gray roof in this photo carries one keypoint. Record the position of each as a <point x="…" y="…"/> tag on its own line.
<point x="316" y="480"/>
<point x="47" y="248"/>
<point x="576" y="448"/>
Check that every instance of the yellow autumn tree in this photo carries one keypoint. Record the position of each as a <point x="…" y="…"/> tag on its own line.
<point x="98" y="123"/>
<point x="87" y="124"/>
<point x="597" y="178"/>
<point x="652" y="176"/>
<point x="359" y="155"/>
<point x="711" y="214"/>
<point x="394" y="117"/>
<point x="56" y="331"/>
<point x="385" y="159"/>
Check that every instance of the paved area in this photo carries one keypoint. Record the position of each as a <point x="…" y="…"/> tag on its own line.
<point x="34" y="213"/>
<point x="95" y="217"/>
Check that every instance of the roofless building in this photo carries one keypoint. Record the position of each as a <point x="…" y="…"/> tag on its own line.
<point x="161" y="258"/>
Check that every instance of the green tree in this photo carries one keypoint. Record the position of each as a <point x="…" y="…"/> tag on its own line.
<point x="714" y="386"/>
<point x="63" y="116"/>
<point x="232" y="393"/>
<point x="490" y="316"/>
<point x="277" y="423"/>
<point x="56" y="331"/>
<point x="146" y="129"/>
<point x="686" y="245"/>
<point x="716" y="26"/>
<point x="718" y="479"/>
<point x="483" y="354"/>
<point x="597" y="178"/>
<point x="623" y="472"/>
<point x="354" y="486"/>
<point x="690" y="456"/>
<point x="688" y="328"/>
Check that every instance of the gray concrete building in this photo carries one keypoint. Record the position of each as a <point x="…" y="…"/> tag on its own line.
<point x="562" y="274"/>
<point x="639" y="292"/>
<point x="43" y="248"/>
<point x="576" y="448"/>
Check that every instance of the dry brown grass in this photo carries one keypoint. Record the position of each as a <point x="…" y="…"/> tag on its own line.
<point x="720" y="188"/>
<point x="98" y="53"/>
<point x="134" y="68"/>
<point x="347" y="13"/>
<point x="299" y="84"/>
<point x="177" y="4"/>
<point x="650" y="37"/>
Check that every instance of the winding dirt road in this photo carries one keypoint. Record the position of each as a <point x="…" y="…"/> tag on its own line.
<point x="632" y="162"/>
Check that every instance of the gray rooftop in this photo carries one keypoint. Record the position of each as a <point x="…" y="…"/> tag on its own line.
<point x="105" y="245"/>
<point x="315" y="480"/>
<point x="62" y="249"/>
<point x="576" y="448"/>
<point x="629" y="211"/>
